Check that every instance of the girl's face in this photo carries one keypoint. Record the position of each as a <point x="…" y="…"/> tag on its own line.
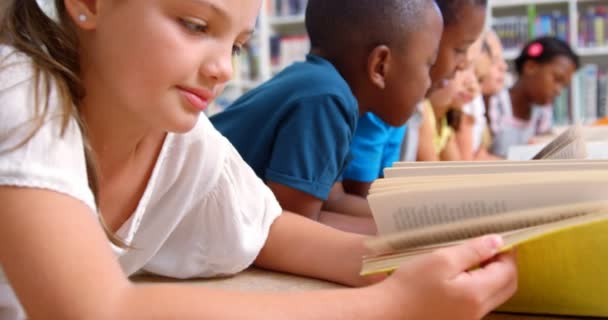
<point x="494" y="80"/>
<point x="546" y="81"/>
<point x="443" y="97"/>
<point x="467" y="88"/>
<point x="455" y="42"/>
<point x="163" y="61"/>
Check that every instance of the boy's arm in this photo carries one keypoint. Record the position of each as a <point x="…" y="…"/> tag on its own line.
<point x="357" y="188"/>
<point x="342" y="202"/>
<point x="308" y="206"/>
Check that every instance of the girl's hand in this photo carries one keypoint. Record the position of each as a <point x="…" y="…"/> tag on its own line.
<point x="440" y="285"/>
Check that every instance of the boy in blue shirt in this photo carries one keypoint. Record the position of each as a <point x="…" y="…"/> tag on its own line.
<point x="296" y="129"/>
<point x="376" y="144"/>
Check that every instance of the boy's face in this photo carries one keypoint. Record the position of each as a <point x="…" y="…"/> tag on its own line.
<point x="408" y="78"/>
<point x="545" y="82"/>
<point x="455" y="42"/>
<point x="162" y="61"/>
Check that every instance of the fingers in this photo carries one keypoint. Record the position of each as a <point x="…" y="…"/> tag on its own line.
<point x="468" y="255"/>
<point x="493" y="284"/>
<point x="503" y="294"/>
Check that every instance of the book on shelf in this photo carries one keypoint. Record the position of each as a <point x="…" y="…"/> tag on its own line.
<point x="516" y="31"/>
<point x="555" y="212"/>
<point x="591" y="81"/>
<point x="593" y="26"/>
<point x="287" y="49"/>
<point x="280" y="8"/>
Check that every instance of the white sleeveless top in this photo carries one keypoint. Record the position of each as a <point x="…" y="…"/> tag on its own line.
<point x="199" y="186"/>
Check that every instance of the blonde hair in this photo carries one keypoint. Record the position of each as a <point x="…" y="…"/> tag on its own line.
<point x="53" y="48"/>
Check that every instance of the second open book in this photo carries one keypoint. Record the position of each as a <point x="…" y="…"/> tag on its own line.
<point x="554" y="211"/>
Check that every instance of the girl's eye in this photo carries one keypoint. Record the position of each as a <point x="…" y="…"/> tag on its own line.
<point x="236" y="50"/>
<point x="193" y="26"/>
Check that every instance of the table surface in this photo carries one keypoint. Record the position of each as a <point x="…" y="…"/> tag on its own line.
<point x="260" y="280"/>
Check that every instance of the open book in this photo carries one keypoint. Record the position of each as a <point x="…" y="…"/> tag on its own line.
<point x="554" y="211"/>
<point x="574" y="143"/>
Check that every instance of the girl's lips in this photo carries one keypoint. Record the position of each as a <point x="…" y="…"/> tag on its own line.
<point x="198" y="98"/>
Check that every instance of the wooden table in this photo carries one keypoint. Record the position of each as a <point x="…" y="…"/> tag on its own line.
<point x="260" y="280"/>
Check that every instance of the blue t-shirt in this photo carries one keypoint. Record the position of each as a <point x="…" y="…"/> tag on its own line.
<point x="376" y="145"/>
<point x="295" y="129"/>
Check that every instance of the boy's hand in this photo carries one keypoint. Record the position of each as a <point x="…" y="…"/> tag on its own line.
<point x="439" y="285"/>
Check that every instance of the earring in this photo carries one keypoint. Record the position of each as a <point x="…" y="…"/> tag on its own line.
<point x="82" y="17"/>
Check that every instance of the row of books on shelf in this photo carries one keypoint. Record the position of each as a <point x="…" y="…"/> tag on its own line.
<point x="281" y="8"/>
<point x="287" y="49"/>
<point x="516" y="31"/>
<point x="247" y="65"/>
<point x="593" y="27"/>
<point x="591" y="82"/>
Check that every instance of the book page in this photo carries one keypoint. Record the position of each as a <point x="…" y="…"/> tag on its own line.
<point x="445" y="183"/>
<point x="397" y="210"/>
<point x="569" y="143"/>
<point x="561" y="266"/>
<point x="575" y="150"/>
<point x="504" y="167"/>
<point x="597" y="150"/>
<point x="500" y="223"/>
<point x="431" y="164"/>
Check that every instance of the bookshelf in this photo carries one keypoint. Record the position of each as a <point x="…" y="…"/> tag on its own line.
<point x="251" y="67"/>
<point x="281" y="39"/>
<point x="584" y="25"/>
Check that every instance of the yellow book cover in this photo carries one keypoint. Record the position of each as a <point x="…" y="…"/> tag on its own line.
<point x="562" y="265"/>
<point x="564" y="272"/>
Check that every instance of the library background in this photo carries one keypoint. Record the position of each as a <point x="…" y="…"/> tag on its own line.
<point x="281" y="39"/>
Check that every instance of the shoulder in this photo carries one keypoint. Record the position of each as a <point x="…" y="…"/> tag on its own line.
<point x="316" y="76"/>
<point x="41" y="146"/>
<point x="371" y="127"/>
<point x="23" y="95"/>
<point x="15" y="67"/>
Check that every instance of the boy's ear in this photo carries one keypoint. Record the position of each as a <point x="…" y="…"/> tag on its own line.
<point x="83" y="12"/>
<point x="378" y="65"/>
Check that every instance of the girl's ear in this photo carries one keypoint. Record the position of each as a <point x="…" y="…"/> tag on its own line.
<point x="83" y="13"/>
<point x="378" y="66"/>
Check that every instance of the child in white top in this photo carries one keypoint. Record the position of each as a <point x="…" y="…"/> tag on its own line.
<point x="100" y="113"/>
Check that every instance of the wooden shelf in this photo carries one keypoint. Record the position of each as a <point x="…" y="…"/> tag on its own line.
<point x="244" y="84"/>
<point x="515" y="3"/>
<point x="286" y="20"/>
<point x="592" y="51"/>
<point x="511" y="54"/>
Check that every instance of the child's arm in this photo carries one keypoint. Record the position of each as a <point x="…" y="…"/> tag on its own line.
<point x="451" y="152"/>
<point x="335" y="256"/>
<point x="464" y="137"/>
<point x="58" y="261"/>
<point x="342" y="202"/>
<point x="313" y="208"/>
<point x="323" y="252"/>
<point x="357" y="188"/>
<point x="426" y="147"/>
<point x="484" y="155"/>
